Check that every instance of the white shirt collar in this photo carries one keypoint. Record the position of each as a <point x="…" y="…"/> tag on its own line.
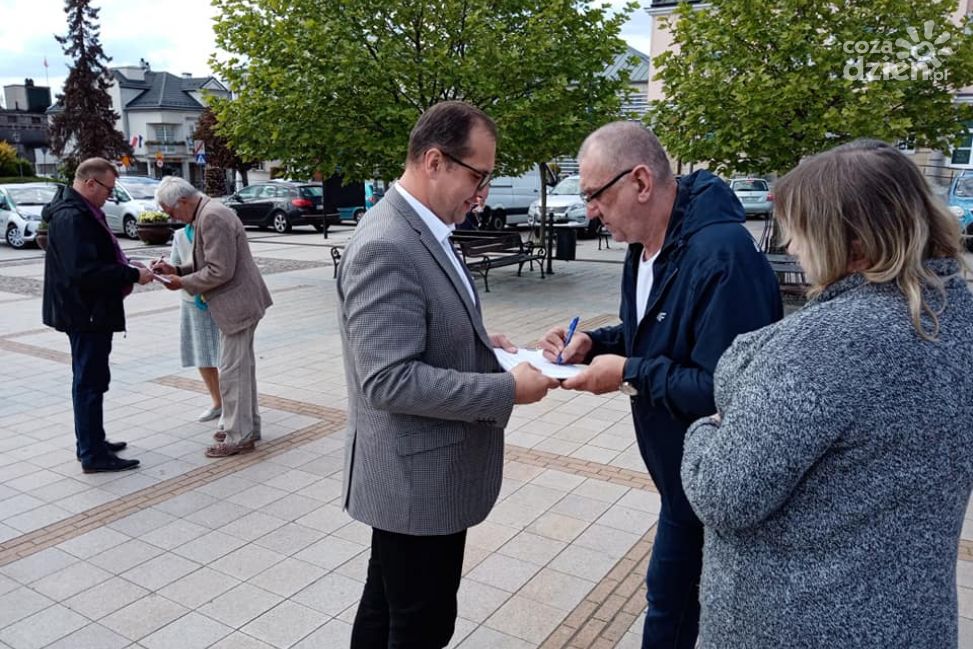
<point x="439" y="230"/>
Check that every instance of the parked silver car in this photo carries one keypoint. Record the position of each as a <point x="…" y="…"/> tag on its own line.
<point x="133" y="195"/>
<point x="754" y="194"/>
<point x="560" y="201"/>
<point x="20" y="210"/>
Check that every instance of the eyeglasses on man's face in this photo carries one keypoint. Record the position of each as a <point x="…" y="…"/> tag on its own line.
<point x="484" y="176"/>
<point x="110" y="189"/>
<point x="587" y="197"/>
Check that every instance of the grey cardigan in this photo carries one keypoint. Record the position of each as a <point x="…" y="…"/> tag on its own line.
<point x="834" y="490"/>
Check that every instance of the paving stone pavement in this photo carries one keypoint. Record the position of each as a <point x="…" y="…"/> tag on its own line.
<point x="254" y="551"/>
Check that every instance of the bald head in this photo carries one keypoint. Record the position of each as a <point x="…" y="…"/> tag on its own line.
<point x="628" y="144"/>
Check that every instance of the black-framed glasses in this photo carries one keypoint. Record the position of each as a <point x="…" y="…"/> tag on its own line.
<point x="587" y="197"/>
<point x="110" y="189"/>
<point x="485" y="176"/>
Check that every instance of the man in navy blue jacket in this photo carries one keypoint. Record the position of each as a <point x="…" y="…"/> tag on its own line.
<point x="86" y="277"/>
<point x="693" y="280"/>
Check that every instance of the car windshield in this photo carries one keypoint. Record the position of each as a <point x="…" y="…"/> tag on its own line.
<point x="964" y="187"/>
<point x="312" y="191"/>
<point x="749" y="186"/>
<point x="567" y="186"/>
<point x="32" y="195"/>
<point x="143" y="188"/>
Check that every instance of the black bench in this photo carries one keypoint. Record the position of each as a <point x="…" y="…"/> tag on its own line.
<point x="335" y="258"/>
<point x="485" y="250"/>
<point x="789" y="273"/>
<point x="482" y="250"/>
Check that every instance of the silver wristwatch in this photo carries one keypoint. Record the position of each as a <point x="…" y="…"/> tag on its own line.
<point x="628" y="389"/>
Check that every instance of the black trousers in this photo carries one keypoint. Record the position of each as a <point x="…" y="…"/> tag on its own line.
<point x="89" y="365"/>
<point x="409" y="601"/>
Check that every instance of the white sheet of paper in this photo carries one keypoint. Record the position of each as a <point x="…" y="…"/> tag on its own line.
<point x="162" y="278"/>
<point x="536" y="358"/>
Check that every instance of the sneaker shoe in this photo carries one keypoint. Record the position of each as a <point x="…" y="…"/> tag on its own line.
<point x="109" y="464"/>
<point x="211" y="414"/>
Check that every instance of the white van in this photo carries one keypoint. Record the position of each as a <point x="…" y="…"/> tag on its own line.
<point x="509" y="199"/>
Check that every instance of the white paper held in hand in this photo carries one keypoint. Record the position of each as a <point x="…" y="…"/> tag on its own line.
<point x="536" y="358"/>
<point x="162" y="278"/>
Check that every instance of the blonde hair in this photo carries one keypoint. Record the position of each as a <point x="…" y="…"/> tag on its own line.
<point x="867" y="199"/>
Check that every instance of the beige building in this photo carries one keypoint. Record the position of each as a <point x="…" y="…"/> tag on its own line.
<point x="158" y="113"/>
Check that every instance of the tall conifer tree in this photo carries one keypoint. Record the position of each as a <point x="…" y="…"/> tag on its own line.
<point x="85" y="124"/>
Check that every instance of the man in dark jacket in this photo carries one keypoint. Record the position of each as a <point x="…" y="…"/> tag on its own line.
<point x="693" y="279"/>
<point x="86" y="276"/>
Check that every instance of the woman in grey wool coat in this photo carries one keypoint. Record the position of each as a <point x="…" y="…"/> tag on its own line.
<point x="833" y="481"/>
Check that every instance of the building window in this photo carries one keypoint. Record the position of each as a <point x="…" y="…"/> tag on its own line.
<point x="962" y="151"/>
<point x="11" y="119"/>
<point x="165" y="133"/>
<point x="35" y="120"/>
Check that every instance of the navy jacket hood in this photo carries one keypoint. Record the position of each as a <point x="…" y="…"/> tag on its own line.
<point x="712" y="202"/>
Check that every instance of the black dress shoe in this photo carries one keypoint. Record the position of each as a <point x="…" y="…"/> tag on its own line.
<point x="113" y="447"/>
<point x="109" y="464"/>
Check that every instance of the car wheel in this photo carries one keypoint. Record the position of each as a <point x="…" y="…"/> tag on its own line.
<point x="15" y="238"/>
<point x="131" y="227"/>
<point x="358" y="214"/>
<point x="497" y="220"/>
<point x="968" y="242"/>
<point x="279" y="222"/>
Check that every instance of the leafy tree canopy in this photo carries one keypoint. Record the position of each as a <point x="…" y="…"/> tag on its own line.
<point x="331" y="85"/>
<point x="755" y="86"/>
<point x="84" y="125"/>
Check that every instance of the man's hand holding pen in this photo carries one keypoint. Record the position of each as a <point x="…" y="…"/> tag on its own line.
<point x="560" y="348"/>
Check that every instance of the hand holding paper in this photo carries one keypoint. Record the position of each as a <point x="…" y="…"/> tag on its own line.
<point x="536" y="358"/>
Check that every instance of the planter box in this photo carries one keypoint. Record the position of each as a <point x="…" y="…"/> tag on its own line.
<point x="155" y="234"/>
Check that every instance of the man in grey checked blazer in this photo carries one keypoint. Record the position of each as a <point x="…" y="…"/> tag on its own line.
<point x="427" y="399"/>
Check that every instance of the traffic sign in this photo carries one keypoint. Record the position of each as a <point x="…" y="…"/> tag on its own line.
<point x="201" y="159"/>
<point x="159" y="163"/>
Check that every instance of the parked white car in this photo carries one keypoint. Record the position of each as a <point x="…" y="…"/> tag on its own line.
<point x="20" y="210"/>
<point x="133" y="195"/>
<point x="563" y="203"/>
<point x="755" y="196"/>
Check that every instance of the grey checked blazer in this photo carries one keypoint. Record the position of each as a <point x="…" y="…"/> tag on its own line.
<point x="225" y="272"/>
<point x="427" y="400"/>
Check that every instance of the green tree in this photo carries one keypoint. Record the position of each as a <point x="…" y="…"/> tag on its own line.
<point x="326" y="85"/>
<point x="756" y="86"/>
<point x="220" y="156"/>
<point x="11" y="164"/>
<point x="84" y="122"/>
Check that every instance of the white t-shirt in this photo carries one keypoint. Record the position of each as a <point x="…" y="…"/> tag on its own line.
<point x="643" y="285"/>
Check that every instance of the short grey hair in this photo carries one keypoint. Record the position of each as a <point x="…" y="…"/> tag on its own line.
<point x="628" y="144"/>
<point x="172" y="188"/>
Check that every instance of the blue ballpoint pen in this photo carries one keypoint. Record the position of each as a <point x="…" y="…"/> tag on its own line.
<point x="567" y="338"/>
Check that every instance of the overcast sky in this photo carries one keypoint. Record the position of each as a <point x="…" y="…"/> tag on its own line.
<point x="173" y="36"/>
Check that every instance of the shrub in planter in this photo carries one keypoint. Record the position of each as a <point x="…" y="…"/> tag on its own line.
<point x="154" y="227"/>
